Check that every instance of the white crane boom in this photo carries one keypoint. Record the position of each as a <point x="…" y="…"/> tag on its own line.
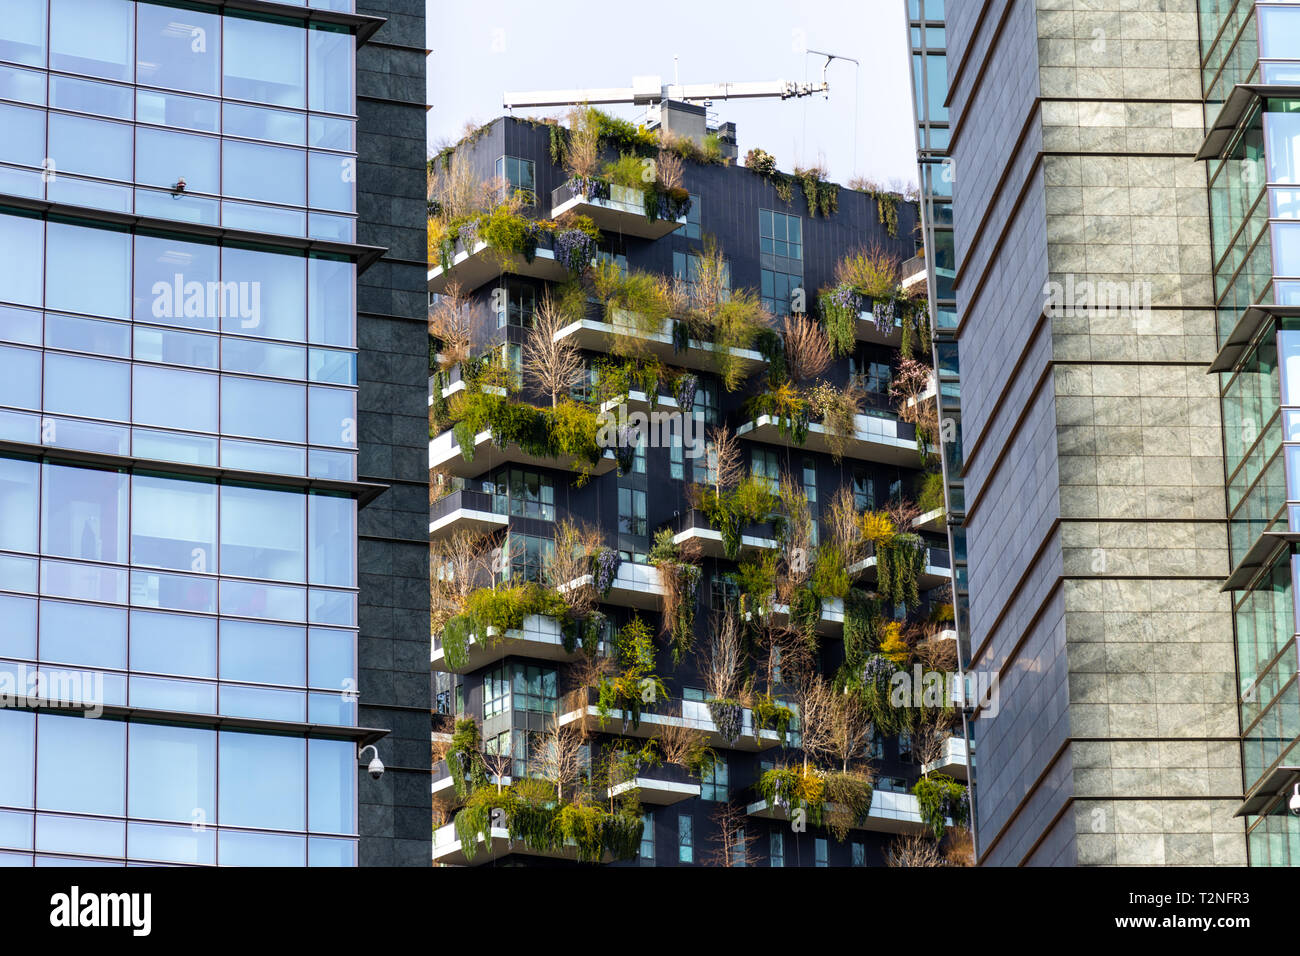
<point x="649" y="91"/>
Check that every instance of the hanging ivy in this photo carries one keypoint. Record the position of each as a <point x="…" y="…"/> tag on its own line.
<point x="941" y="798"/>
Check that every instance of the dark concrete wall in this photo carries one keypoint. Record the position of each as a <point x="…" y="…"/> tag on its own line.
<point x="393" y="648"/>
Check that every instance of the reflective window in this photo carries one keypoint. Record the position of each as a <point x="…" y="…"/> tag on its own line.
<point x="177" y="282"/>
<point x="273" y="174"/>
<point x="258" y="122"/>
<point x="163" y="158"/>
<point x="263" y="781"/>
<point x="18" y="512"/>
<point x="83" y="514"/>
<point x="101" y="261"/>
<point x="263" y="653"/>
<point x="93" y="37"/>
<point x="274" y="411"/>
<point x="84" y="634"/>
<point x="271" y="290"/>
<point x="22" y="32"/>
<point x="81" y="765"/>
<point x="20" y="377"/>
<point x="173" y="644"/>
<point x="18" y="755"/>
<point x="332" y="765"/>
<point x="174" y="524"/>
<point x="332" y="540"/>
<point x="172" y="398"/>
<point x="265" y="62"/>
<point x="173" y="773"/>
<point x="24" y="140"/>
<point x="91" y="388"/>
<point x="22" y="259"/>
<point x="332" y="301"/>
<point x="332" y="180"/>
<point x="179" y="49"/>
<point x="332" y="69"/>
<point x="90" y="96"/>
<point x="263" y="533"/>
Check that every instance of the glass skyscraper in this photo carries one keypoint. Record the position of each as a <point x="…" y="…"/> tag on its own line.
<point x="1250" y="56"/>
<point x="179" y="490"/>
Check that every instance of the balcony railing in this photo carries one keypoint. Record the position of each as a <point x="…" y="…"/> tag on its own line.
<point x="580" y="707"/>
<point x="613" y="208"/>
<point x="464" y="509"/>
<point x="876" y="437"/>
<point x="936" y="571"/>
<point x="694" y="525"/>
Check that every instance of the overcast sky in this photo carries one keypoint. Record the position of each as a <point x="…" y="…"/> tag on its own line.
<point x="484" y="47"/>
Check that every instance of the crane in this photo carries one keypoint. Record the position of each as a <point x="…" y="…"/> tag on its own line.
<point x="652" y="91"/>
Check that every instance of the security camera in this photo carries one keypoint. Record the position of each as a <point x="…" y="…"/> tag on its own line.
<point x="1294" y="803"/>
<point x="376" y="766"/>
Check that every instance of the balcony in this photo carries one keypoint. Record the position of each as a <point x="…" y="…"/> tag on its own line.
<point x="890" y="813"/>
<point x="639" y="401"/>
<point x="580" y="707"/>
<point x="463" y="511"/>
<point x="480" y="264"/>
<point x="596" y="335"/>
<point x="659" y="786"/>
<point x="539" y="639"/>
<point x="935" y="521"/>
<point x="445" y="454"/>
<point x="444" y="788"/>
<point x="635" y="585"/>
<point x="875" y="438"/>
<point x="447" y="849"/>
<point x="937" y="570"/>
<point x="955" y="761"/>
<point x="692" y="525"/>
<point x="831" y="623"/>
<point x="622" y="211"/>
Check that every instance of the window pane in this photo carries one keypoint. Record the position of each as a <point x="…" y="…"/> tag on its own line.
<point x="173" y="280"/>
<point x="163" y="158"/>
<point x="83" y="514"/>
<point x="17" y="755"/>
<point x="271" y="290"/>
<point x="331" y="658"/>
<point x="274" y="411"/>
<point x="263" y="533"/>
<point x="332" y="180"/>
<point x="179" y="49"/>
<point x="22" y="247"/>
<point x="266" y="173"/>
<point x="330" y="61"/>
<point x="24" y="140"/>
<point x="101" y="261"/>
<point x="20" y="378"/>
<point x="94" y="37"/>
<point x="265" y="62"/>
<point x="263" y="653"/>
<point x="263" y="781"/>
<point x="172" y="398"/>
<point x="174" y="524"/>
<point x="173" y="644"/>
<point x="332" y="305"/>
<point x="81" y="765"/>
<point x="331" y="806"/>
<point x="83" y="634"/>
<point x="333" y="538"/>
<point x="92" y="388"/>
<point x="22" y="32"/>
<point x="173" y="773"/>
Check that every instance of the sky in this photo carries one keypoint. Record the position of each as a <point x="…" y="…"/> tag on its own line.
<point x="483" y="48"/>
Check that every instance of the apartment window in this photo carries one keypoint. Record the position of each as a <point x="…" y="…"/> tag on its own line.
<point x="619" y="260"/>
<point x="584" y="389"/>
<point x="520" y="178"/>
<point x="496" y="691"/>
<point x="723" y="593"/>
<point x="776" y="848"/>
<point x="498" y="746"/>
<point x="535" y="689"/>
<point x="778" y="290"/>
<point x="876" y="746"/>
<point x="692" y="230"/>
<point x="819" y="850"/>
<point x="528" y="554"/>
<point x="648" y="838"/>
<point x="739" y="855"/>
<point x="810" y="490"/>
<point x="687" y="266"/>
<point x="864" y="491"/>
<point x="516" y="304"/>
<point x="631" y="511"/>
<point x="676" y="460"/>
<point x="872" y="376"/>
<point x="706" y="402"/>
<point x="765" y="465"/>
<point x="904" y="745"/>
<point x="685" y="839"/>
<point x="713" y="783"/>
<point x="524" y="494"/>
<point x="443" y="697"/>
<point x="859" y="854"/>
<point x="780" y="234"/>
<point x="512" y="358"/>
